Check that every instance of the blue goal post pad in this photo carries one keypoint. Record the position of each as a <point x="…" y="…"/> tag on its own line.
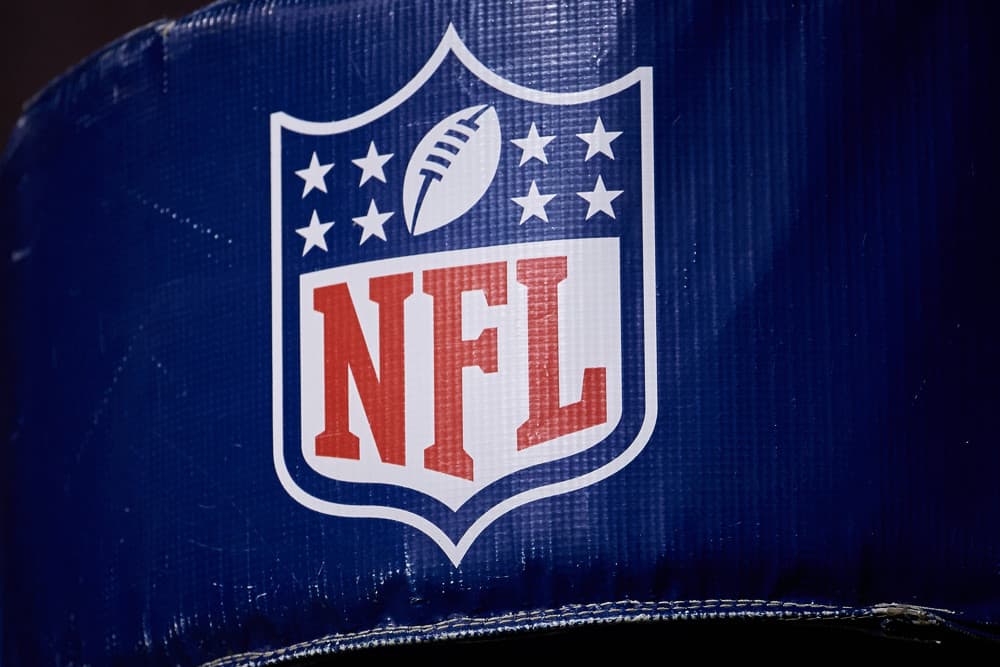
<point x="330" y="325"/>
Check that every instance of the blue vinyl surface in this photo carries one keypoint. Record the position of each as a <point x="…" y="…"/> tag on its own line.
<point x="825" y="295"/>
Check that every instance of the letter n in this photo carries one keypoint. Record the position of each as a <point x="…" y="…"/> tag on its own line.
<point x="383" y="397"/>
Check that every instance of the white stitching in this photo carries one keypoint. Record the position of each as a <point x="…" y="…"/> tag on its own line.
<point x="580" y="613"/>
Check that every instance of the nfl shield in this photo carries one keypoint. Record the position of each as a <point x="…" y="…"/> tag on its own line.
<point x="463" y="297"/>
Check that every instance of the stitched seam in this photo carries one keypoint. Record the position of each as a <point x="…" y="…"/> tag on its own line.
<point x="569" y="614"/>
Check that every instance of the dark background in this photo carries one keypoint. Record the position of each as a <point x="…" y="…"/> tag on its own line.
<point x="41" y="39"/>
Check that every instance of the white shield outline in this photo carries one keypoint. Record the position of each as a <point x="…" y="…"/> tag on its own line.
<point x="451" y="43"/>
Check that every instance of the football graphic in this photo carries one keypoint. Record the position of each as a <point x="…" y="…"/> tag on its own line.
<point x="451" y="168"/>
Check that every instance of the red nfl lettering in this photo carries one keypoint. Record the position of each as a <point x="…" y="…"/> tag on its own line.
<point x="383" y="396"/>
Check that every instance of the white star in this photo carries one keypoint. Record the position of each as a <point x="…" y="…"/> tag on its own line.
<point x="533" y="204"/>
<point x="533" y="146"/>
<point x="314" y="175"/>
<point x="599" y="141"/>
<point x="600" y="199"/>
<point x="371" y="164"/>
<point x="371" y="223"/>
<point x="314" y="234"/>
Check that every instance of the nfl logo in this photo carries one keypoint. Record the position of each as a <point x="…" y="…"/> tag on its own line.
<point x="463" y="297"/>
